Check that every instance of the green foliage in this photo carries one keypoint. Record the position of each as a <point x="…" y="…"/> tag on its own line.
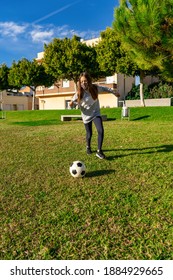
<point x="134" y="93"/>
<point x="108" y="51"/>
<point x="155" y="90"/>
<point x="67" y="58"/>
<point x="146" y="32"/>
<point x="112" y="57"/>
<point x="28" y="73"/>
<point x="161" y="90"/>
<point x="4" y="70"/>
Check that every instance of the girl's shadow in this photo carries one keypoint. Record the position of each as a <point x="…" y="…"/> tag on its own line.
<point x="145" y="150"/>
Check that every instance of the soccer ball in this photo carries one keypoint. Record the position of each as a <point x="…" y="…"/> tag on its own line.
<point x="77" y="169"/>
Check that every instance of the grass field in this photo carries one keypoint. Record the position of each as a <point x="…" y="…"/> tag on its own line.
<point x="121" y="209"/>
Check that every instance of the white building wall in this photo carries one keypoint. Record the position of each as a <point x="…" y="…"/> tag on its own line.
<point x="124" y="84"/>
<point x="53" y="103"/>
<point x="108" y="100"/>
<point x="61" y="102"/>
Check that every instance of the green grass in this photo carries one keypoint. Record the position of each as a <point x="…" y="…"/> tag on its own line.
<point x="121" y="209"/>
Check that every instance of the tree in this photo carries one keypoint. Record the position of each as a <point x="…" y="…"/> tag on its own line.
<point x="29" y="73"/>
<point x="146" y="32"/>
<point x="112" y="57"/>
<point x="4" y="70"/>
<point x="67" y="58"/>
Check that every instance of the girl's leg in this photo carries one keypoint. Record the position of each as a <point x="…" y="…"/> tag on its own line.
<point x="100" y="130"/>
<point x="88" y="127"/>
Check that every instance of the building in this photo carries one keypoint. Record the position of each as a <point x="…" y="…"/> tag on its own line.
<point x="17" y="101"/>
<point x="58" y="97"/>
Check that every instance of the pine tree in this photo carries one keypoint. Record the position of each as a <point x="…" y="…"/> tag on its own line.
<point x="146" y="30"/>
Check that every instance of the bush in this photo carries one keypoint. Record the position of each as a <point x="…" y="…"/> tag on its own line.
<point x="162" y="90"/>
<point x="135" y="94"/>
<point x="155" y="90"/>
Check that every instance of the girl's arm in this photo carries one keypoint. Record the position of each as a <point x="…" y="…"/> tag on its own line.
<point x="73" y="101"/>
<point x="109" y="90"/>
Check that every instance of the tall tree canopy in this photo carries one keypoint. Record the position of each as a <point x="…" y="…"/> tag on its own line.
<point x="4" y="70"/>
<point x="67" y="58"/>
<point x="29" y="73"/>
<point x="112" y="57"/>
<point x="146" y="31"/>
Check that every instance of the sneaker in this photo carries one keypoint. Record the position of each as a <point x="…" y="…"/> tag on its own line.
<point x="88" y="151"/>
<point x="100" y="154"/>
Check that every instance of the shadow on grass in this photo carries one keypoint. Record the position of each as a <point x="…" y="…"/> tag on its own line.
<point x="141" y="118"/>
<point x="145" y="150"/>
<point x="97" y="173"/>
<point x="36" y="123"/>
<point x="111" y="119"/>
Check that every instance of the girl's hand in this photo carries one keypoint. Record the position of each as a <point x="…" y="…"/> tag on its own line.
<point x="117" y="94"/>
<point x="71" y="104"/>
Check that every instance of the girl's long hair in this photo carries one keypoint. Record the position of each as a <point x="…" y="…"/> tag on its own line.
<point x="91" y="87"/>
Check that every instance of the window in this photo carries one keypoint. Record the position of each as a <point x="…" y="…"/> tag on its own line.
<point x="65" y="83"/>
<point x="39" y="88"/>
<point x="15" y="107"/>
<point x="20" y="107"/>
<point x="111" y="80"/>
<point x="67" y="106"/>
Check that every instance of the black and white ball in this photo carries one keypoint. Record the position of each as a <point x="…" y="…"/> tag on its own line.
<point x="77" y="169"/>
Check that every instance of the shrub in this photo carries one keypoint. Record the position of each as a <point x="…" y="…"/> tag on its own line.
<point x="162" y="90"/>
<point x="155" y="90"/>
<point x="134" y="92"/>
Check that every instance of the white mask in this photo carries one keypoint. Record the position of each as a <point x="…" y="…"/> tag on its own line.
<point x="84" y="86"/>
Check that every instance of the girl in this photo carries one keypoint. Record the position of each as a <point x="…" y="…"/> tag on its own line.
<point x="87" y="99"/>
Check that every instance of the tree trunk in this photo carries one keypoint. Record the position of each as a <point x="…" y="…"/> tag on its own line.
<point x="141" y="88"/>
<point x="33" y="88"/>
<point x="1" y="101"/>
<point x="33" y="100"/>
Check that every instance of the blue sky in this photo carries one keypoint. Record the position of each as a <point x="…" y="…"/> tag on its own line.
<point x="26" y="25"/>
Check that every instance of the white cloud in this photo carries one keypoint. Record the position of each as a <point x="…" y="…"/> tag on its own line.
<point x="11" y="29"/>
<point x="26" y="39"/>
<point x="41" y="36"/>
<point x="40" y="33"/>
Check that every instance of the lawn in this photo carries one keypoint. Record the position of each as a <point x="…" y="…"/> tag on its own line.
<point x="121" y="209"/>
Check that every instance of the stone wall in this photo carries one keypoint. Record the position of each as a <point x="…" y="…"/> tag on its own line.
<point x="150" y="102"/>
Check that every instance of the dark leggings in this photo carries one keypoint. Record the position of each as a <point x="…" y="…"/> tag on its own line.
<point x="100" y="130"/>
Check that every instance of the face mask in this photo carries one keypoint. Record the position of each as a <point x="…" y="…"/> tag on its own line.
<point x="84" y="86"/>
